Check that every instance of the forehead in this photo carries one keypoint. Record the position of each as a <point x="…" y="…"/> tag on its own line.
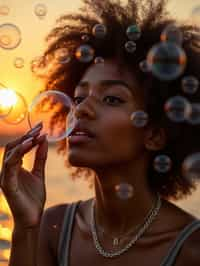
<point x="109" y="70"/>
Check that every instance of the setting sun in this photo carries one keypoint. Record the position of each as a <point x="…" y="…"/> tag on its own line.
<point x="8" y="98"/>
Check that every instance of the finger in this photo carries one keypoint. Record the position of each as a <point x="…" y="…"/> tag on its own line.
<point x="40" y="157"/>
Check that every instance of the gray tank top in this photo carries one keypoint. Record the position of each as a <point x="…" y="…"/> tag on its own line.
<point x="66" y="233"/>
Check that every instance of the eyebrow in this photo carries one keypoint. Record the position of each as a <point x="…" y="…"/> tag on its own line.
<point x="108" y="83"/>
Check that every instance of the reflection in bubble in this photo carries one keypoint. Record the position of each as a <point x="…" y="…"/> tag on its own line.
<point x="133" y="32"/>
<point x="40" y="11"/>
<point x="19" y="109"/>
<point x="139" y="119"/>
<point x="124" y="191"/>
<point x="130" y="47"/>
<point x="167" y="61"/>
<point x="177" y="108"/>
<point x="54" y="109"/>
<point x="99" y="31"/>
<point x="85" y="53"/>
<point x="19" y="62"/>
<point x="191" y="166"/>
<point x="10" y="36"/>
<point x="162" y="163"/>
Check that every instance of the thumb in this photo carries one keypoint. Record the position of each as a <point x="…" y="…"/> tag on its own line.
<point x="40" y="157"/>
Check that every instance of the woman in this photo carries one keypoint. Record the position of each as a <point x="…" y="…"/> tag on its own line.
<point x="130" y="220"/>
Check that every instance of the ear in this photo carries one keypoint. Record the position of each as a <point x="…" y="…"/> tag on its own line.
<point x="155" y="138"/>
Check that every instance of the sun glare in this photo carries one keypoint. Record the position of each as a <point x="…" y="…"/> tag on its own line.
<point x="8" y="98"/>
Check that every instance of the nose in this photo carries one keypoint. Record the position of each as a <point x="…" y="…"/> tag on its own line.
<point x="86" y="109"/>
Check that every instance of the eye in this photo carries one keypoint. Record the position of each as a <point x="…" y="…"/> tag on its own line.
<point x="113" y="100"/>
<point x="77" y="100"/>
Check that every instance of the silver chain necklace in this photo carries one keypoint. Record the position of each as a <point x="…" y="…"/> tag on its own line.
<point x="147" y="222"/>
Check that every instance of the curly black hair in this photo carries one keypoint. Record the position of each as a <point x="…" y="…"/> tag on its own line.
<point x="152" y="17"/>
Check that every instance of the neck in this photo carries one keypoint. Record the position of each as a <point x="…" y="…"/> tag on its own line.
<point x="109" y="207"/>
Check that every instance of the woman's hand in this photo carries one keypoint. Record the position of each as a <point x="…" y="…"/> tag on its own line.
<point x="25" y="191"/>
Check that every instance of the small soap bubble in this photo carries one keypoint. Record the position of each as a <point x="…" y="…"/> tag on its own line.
<point x="62" y="56"/>
<point x="19" y="108"/>
<point x="99" y="60"/>
<point x="139" y="119"/>
<point x="19" y="62"/>
<point x="194" y="117"/>
<point x="99" y="31"/>
<point x="130" y="47"/>
<point x="167" y="61"/>
<point x="85" y="53"/>
<point x="133" y="32"/>
<point x="190" y="84"/>
<point x="54" y="109"/>
<point x="144" y="66"/>
<point x="4" y="10"/>
<point x="191" y="166"/>
<point x="10" y="36"/>
<point x="172" y="34"/>
<point x="5" y="101"/>
<point x="85" y="37"/>
<point x="162" y="163"/>
<point x="177" y="108"/>
<point x="40" y="11"/>
<point x="124" y="191"/>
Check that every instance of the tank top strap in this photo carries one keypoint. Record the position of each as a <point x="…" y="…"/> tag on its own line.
<point x="170" y="259"/>
<point x="66" y="233"/>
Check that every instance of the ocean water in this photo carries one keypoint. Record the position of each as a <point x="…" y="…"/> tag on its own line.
<point x="61" y="188"/>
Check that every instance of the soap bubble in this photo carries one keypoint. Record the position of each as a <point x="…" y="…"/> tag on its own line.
<point x="52" y="106"/>
<point x="162" y="163"/>
<point x="19" y="109"/>
<point x="85" y="53"/>
<point x="5" y="101"/>
<point x="99" y="60"/>
<point x="177" y="108"/>
<point x="62" y="56"/>
<point x="4" y="10"/>
<point x="172" y="34"/>
<point x="139" y="119"/>
<point x="130" y="47"/>
<point x="167" y="61"/>
<point x="124" y="191"/>
<point x="85" y="37"/>
<point x="19" y="62"/>
<point x="194" y="117"/>
<point x="190" y="84"/>
<point x="144" y="66"/>
<point x="5" y="244"/>
<point x="40" y="11"/>
<point x="191" y="166"/>
<point x="99" y="31"/>
<point x="133" y="32"/>
<point x="10" y="36"/>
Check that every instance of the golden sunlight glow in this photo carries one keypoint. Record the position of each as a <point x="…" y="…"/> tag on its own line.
<point x="5" y="233"/>
<point x="8" y="98"/>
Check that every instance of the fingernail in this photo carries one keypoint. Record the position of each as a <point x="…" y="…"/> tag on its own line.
<point x="27" y="141"/>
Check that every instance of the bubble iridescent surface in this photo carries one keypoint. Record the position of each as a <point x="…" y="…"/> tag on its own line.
<point x="10" y="36"/>
<point x="133" y="32"/>
<point x="172" y="34"/>
<point x="124" y="191"/>
<point x="19" y="109"/>
<point x="130" y="47"/>
<point x="99" y="31"/>
<point x="191" y="166"/>
<point x="167" y="61"/>
<point x="139" y="118"/>
<point x="19" y="62"/>
<point x="162" y="163"/>
<point x="177" y="108"/>
<point x="194" y="117"/>
<point x="53" y="109"/>
<point x="85" y="53"/>
<point x="40" y="10"/>
<point x="190" y="84"/>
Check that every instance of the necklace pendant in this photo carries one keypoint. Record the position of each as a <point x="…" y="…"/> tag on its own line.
<point x="115" y="241"/>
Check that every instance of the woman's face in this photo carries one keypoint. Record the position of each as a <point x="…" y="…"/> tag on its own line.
<point x="105" y="99"/>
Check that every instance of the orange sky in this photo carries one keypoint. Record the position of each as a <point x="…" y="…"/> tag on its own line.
<point x="33" y="32"/>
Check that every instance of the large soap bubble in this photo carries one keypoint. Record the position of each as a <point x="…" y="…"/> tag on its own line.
<point x="10" y="36"/>
<point x="5" y="101"/>
<point x="54" y="109"/>
<point x="167" y="61"/>
<point x="19" y="108"/>
<point x="172" y="34"/>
